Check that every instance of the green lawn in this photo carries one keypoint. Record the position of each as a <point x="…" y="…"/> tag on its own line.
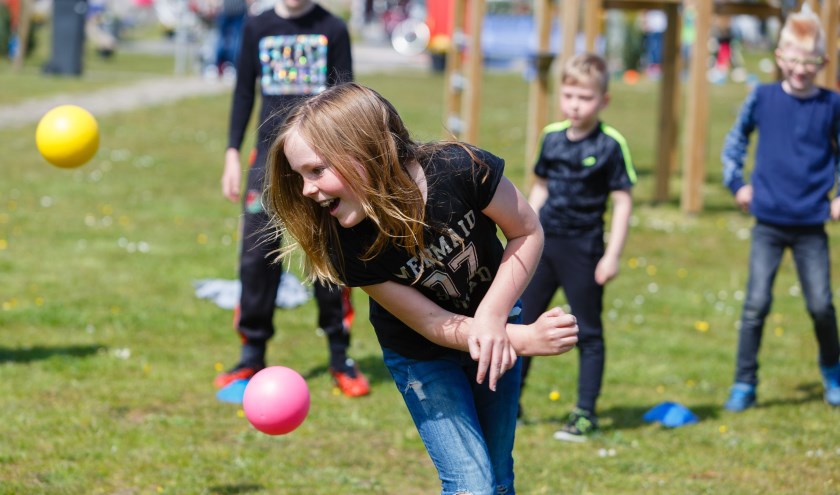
<point x="125" y="66"/>
<point x="107" y="357"/>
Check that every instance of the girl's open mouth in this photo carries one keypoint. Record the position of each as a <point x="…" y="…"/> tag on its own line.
<point x="331" y="204"/>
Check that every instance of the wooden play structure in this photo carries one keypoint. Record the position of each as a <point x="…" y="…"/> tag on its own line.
<point x="463" y="87"/>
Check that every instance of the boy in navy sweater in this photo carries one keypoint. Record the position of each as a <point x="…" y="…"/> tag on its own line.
<point x="796" y="165"/>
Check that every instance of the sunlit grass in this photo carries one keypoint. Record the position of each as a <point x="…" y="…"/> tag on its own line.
<point x="107" y="357"/>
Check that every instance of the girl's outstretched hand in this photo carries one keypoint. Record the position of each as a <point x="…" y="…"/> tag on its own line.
<point x="554" y="332"/>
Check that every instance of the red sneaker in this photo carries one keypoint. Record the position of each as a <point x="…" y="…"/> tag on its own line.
<point x="237" y="373"/>
<point x="351" y="384"/>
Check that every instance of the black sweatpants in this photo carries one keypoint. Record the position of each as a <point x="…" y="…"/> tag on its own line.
<point x="570" y="263"/>
<point x="260" y="277"/>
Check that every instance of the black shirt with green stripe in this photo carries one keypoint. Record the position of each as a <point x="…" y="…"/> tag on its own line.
<point x="580" y="175"/>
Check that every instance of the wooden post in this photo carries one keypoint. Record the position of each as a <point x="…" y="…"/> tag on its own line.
<point x="569" y="16"/>
<point x="829" y="16"/>
<point x="694" y="160"/>
<point x="669" y="104"/>
<point x="591" y="23"/>
<point x="474" y="69"/>
<point x="24" y="24"/>
<point x="538" y="104"/>
<point x="454" y="77"/>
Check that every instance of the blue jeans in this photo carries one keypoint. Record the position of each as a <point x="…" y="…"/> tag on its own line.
<point x="810" y="254"/>
<point x="467" y="429"/>
<point x="230" y="37"/>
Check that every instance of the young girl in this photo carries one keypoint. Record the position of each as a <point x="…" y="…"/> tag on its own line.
<point x="414" y="225"/>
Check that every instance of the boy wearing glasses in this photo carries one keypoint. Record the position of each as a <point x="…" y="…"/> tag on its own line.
<point x="796" y="167"/>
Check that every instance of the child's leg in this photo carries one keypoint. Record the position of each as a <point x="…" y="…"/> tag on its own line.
<point x="766" y="249"/>
<point x="810" y="252"/>
<point x="333" y="306"/>
<point x="335" y="316"/>
<point x="540" y="292"/>
<point x="585" y="297"/>
<point x="497" y="413"/>
<point x="439" y="396"/>
<point x="257" y="273"/>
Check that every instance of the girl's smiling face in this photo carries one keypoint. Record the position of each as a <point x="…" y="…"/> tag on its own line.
<point x="322" y="183"/>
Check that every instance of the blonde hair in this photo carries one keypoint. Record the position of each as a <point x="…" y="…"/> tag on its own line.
<point x="347" y="126"/>
<point x="803" y="30"/>
<point x="586" y="68"/>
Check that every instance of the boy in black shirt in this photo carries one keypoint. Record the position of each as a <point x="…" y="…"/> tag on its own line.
<point x="291" y="52"/>
<point x="582" y="164"/>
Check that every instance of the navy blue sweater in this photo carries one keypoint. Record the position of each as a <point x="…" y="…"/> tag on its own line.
<point x="796" y="158"/>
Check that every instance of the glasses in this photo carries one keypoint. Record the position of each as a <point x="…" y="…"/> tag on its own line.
<point x="810" y="63"/>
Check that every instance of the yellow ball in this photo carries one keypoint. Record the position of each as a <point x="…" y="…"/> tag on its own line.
<point x="67" y="136"/>
<point x="554" y="395"/>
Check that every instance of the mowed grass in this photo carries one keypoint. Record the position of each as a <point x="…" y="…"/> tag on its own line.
<point x="123" y="67"/>
<point x="107" y="356"/>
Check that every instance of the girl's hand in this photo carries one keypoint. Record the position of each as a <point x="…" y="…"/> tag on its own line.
<point x="489" y="345"/>
<point x="555" y="332"/>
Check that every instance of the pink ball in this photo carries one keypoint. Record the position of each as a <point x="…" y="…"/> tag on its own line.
<point x="276" y="400"/>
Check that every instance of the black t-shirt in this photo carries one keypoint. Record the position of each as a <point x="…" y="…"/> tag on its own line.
<point x="289" y="60"/>
<point x="460" y="237"/>
<point x="580" y="176"/>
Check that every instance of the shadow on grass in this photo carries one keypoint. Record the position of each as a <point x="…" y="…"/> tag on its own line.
<point x="630" y="417"/>
<point x="809" y="392"/>
<point x="372" y="366"/>
<point x="614" y="418"/>
<point x="38" y="353"/>
<point x="235" y="489"/>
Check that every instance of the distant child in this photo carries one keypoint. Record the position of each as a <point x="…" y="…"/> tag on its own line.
<point x="582" y="164"/>
<point x="414" y="225"/>
<point x="796" y="164"/>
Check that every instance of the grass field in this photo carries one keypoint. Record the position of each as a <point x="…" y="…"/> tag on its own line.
<point x="123" y="67"/>
<point x="107" y="357"/>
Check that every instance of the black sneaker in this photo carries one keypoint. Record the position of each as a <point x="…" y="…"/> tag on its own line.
<point x="579" y="425"/>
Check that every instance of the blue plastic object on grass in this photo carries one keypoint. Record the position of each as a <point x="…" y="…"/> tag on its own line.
<point x="671" y="414"/>
<point x="232" y="392"/>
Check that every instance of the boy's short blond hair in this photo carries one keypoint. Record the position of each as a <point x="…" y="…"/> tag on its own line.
<point x="803" y="30"/>
<point x="586" y="68"/>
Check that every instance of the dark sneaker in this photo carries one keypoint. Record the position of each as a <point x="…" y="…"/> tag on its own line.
<point x="831" y="380"/>
<point x="580" y="425"/>
<point x="351" y="381"/>
<point x="238" y="372"/>
<point x="741" y="397"/>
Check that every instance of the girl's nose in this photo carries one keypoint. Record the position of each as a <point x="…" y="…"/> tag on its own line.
<point x="309" y="189"/>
